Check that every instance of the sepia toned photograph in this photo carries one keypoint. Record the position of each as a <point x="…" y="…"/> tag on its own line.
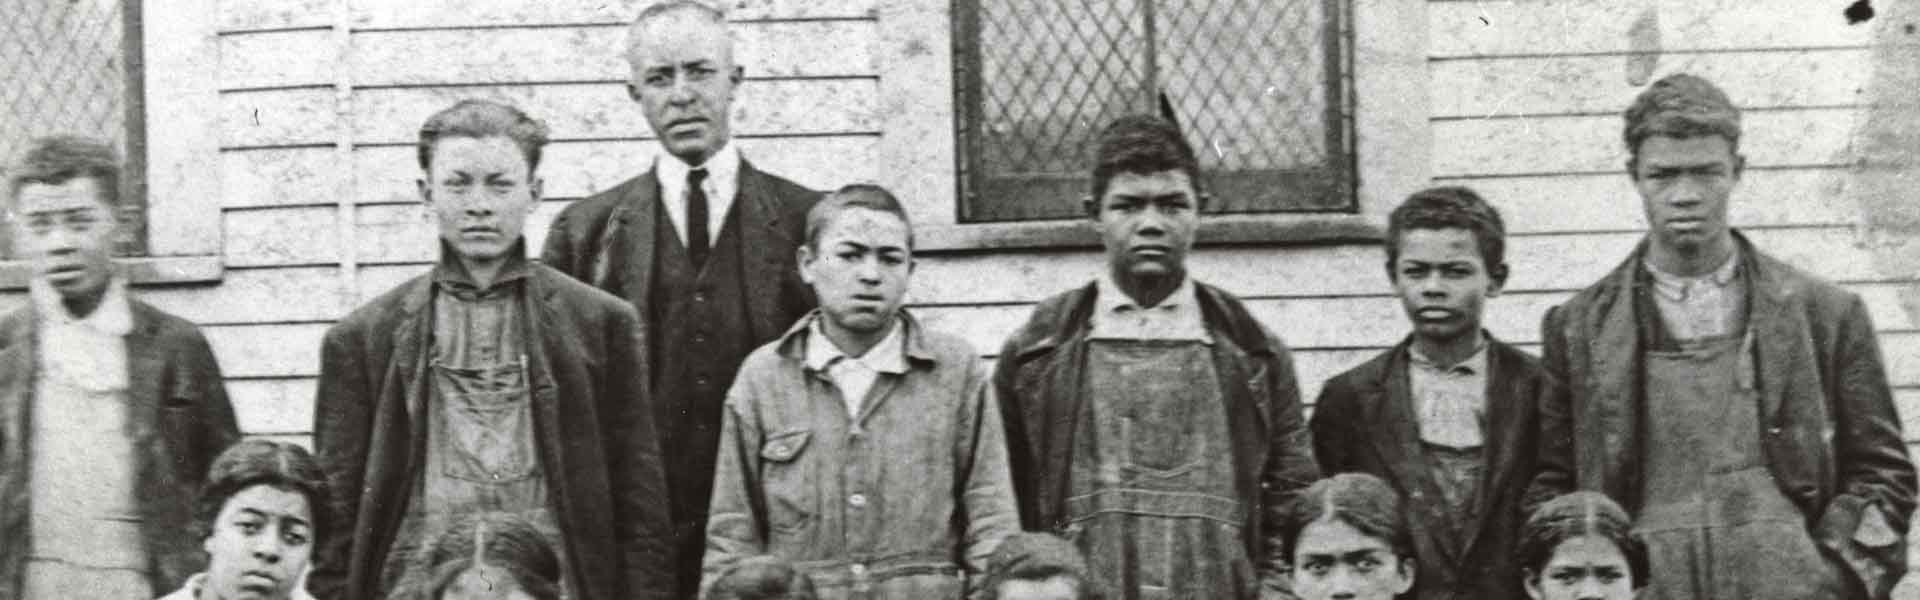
<point x="959" y="299"/>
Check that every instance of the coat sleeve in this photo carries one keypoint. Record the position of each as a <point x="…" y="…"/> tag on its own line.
<point x="1019" y="466"/>
<point x="342" y="422"/>
<point x="1866" y="523"/>
<point x="1289" y="469"/>
<point x="217" y="428"/>
<point x="638" y="471"/>
<point x="736" y="516"/>
<point x="1554" y="468"/>
<point x="985" y="486"/>
<point x="1333" y="429"/>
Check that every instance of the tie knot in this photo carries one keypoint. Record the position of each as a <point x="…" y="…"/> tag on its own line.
<point x="696" y="176"/>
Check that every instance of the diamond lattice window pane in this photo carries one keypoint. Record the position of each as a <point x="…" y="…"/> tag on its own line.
<point x="1256" y="85"/>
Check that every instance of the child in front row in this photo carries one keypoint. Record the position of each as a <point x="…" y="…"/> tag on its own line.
<point x="1581" y="547"/>
<point x="1448" y="416"/>
<point x="1346" y="537"/>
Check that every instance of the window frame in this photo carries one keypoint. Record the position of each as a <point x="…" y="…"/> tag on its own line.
<point x="180" y="178"/>
<point x="918" y="149"/>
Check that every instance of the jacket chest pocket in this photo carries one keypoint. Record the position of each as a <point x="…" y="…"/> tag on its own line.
<point x="787" y="480"/>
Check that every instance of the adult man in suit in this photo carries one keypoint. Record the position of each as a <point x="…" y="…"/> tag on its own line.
<point x="702" y="244"/>
<point x="489" y="384"/>
<point x="1736" y="405"/>
<point x="110" y="410"/>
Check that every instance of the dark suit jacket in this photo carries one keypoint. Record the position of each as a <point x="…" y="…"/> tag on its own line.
<point x="1831" y="436"/>
<point x="593" y="428"/>
<point x="1365" y="421"/>
<point x="179" y="418"/>
<point x="606" y="240"/>
<point x="1038" y="383"/>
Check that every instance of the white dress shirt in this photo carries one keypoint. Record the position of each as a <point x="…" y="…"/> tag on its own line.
<point x="1451" y="400"/>
<point x="854" y="376"/>
<point x="1706" y="306"/>
<point x="721" y="185"/>
<point x="1176" y="317"/>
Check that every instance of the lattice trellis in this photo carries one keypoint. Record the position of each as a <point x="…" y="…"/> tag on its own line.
<point x="1259" y="86"/>
<point x="65" y="64"/>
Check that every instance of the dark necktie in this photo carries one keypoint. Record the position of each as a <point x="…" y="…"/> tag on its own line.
<point x="697" y="217"/>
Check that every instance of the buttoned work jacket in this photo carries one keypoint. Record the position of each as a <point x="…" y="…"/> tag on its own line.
<point x="1828" y="427"/>
<point x="177" y="415"/>
<point x="593" y="433"/>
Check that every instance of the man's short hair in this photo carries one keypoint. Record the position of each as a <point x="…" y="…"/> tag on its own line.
<point x="1681" y="105"/>
<point x="55" y="160"/>
<point x="706" y="12"/>
<point x="763" y="577"/>
<point x="1143" y="145"/>
<point x="1449" y="207"/>
<point x="859" y="195"/>
<point x="484" y="119"/>
<point x="1032" y="556"/>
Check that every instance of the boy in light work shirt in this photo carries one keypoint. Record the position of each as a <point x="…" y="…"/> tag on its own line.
<point x="860" y="446"/>
<point x="1447" y="416"/>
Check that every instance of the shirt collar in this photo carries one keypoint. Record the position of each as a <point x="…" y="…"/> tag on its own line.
<point x="1675" y="286"/>
<point x="1109" y="298"/>
<point x="1474" y="364"/>
<point x="888" y="356"/>
<point x="722" y="168"/>
<point x="114" y="316"/>
<point x="450" y="273"/>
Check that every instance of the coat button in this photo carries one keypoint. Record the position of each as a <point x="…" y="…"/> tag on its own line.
<point x="857" y="500"/>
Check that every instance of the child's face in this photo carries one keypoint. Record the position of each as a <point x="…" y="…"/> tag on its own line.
<point x="1583" y="568"/>
<point x="1333" y="560"/>
<point x="1443" y="282"/>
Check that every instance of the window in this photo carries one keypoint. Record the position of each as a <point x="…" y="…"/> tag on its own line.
<point x="74" y="67"/>
<point x="1261" y="88"/>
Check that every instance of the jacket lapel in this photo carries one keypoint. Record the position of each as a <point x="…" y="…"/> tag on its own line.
<point x="632" y="222"/>
<point x="146" y="369"/>
<point x="1388" y="404"/>
<point x="762" y="256"/>
<point x="405" y="375"/>
<point x="17" y="367"/>
<point x="1774" y="328"/>
<point x="1506" y="405"/>
<point x="1612" y="388"/>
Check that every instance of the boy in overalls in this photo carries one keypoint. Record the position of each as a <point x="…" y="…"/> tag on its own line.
<point x="1734" y="404"/>
<point x="1150" y="418"/>
<point x="489" y="384"/>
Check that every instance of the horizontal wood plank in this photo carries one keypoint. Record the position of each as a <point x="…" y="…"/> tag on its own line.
<point x="278" y="295"/>
<point x="604" y="111"/>
<point x="278" y="59"/>
<point x="273" y="406"/>
<point x="595" y="53"/>
<point x="1539" y="263"/>
<point x="579" y="169"/>
<point x="254" y="15"/>
<point x="279" y="117"/>
<point x="426" y="14"/>
<point x="1504" y="28"/>
<point x="1588" y="144"/>
<point x="281" y="236"/>
<point x="262" y="177"/>
<point x="1608" y="202"/>
<point x="279" y="350"/>
<point x="1552" y="85"/>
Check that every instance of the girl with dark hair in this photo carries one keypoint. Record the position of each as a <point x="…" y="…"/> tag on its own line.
<point x="1581" y="546"/>
<point x="258" y="513"/>
<point x="492" y="556"/>
<point x="1346" y="537"/>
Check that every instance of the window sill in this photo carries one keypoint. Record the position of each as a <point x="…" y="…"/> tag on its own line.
<point x="1215" y="230"/>
<point x="142" y="271"/>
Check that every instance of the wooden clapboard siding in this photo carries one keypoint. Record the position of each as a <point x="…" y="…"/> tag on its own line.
<point x="1580" y="27"/>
